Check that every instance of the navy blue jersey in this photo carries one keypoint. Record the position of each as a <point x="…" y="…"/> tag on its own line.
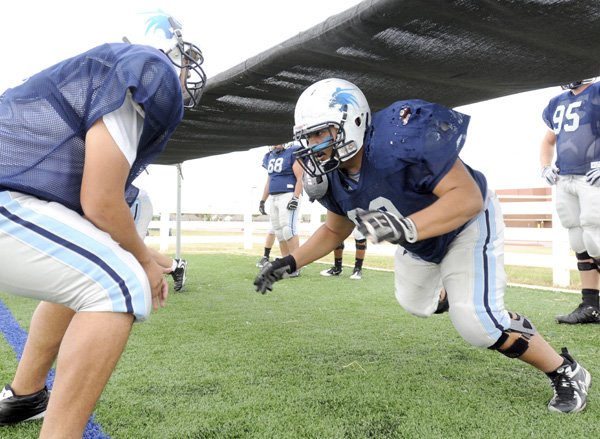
<point x="575" y="119"/>
<point x="43" y="122"/>
<point x="401" y="166"/>
<point x="279" y="166"/>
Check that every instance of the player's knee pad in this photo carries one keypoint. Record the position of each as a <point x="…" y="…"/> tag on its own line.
<point x="522" y="326"/>
<point x="360" y="244"/>
<point x="287" y="233"/>
<point x="584" y="263"/>
<point x="340" y="247"/>
<point x="279" y="234"/>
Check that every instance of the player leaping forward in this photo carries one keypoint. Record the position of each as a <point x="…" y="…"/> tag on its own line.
<point x="400" y="179"/>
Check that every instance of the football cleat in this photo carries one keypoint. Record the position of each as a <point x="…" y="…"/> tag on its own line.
<point x="294" y="274"/>
<point x="179" y="275"/>
<point x="570" y="387"/>
<point x="581" y="314"/>
<point x="356" y="274"/>
<point x="262" y="261"/>
<point x="15" y="408"/>
<point x="333" y="271"/>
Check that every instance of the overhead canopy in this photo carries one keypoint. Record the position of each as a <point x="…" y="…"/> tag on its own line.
<point x="453" y="52"/>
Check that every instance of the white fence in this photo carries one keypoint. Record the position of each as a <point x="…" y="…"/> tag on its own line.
<point x="556" y="238"/>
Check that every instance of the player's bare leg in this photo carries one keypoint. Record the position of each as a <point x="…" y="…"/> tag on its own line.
<point x="569" y="380"/>
<point x="540" y="354"/>
<point x="48" y="325"/>
<point x="293" y="243"/>
<point x="88" y="354"/>
<point x="283" y="248"/>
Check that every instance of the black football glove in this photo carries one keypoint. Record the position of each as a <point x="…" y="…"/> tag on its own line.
<point x="293" y="204"/>
<point x="380" y="225"/>
<point x="261" y="208"/>
<point x="272" y="272"/>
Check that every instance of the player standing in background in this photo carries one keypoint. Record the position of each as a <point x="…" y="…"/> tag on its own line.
<point x="270" y="238"/>
<point x="142" y="212"/>
<point x="399" y="178"/>
<point x="573" y="118"/>
<point x="284" y="188"/>
<point x="72" y="140"/>
<point x="360" y="244"/>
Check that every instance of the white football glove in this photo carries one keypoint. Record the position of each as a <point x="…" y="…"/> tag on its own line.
<point x="380" y="226"/>
<point x="550" y="174"/>
<point x="593" y="177"/>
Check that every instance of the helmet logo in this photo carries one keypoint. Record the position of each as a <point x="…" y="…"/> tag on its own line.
<point x="160" y="22"/>
<point x="343" y="98"/>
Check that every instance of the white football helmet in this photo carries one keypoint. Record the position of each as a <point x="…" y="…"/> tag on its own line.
<point x="330" y="103"/>
<point x="163" y="32"/>
<point x="576" y="84"/>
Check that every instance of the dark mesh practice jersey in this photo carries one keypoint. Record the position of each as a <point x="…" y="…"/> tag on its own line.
<point x="402" y="164"/>
<point x="279" y="166"/>
<point x="43" y="122"/>
<point x="575" y="119"/>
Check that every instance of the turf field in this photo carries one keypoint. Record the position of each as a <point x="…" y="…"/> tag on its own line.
<point x="321" y="358"/>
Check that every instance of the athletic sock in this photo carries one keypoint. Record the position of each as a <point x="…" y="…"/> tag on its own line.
<point x="590" y="297"/>
<point x="337" y="262"/>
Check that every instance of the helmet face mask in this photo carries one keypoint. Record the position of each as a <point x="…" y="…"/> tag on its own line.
<point x="163" y="32"/>
<point x="576" y="84"/>
<point x="325" y="156"/>
<point x="187" y="57"/>
<point x="335" y="106"/>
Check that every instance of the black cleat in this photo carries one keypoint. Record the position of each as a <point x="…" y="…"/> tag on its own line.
<point x="356" y="274"/>
<point x="571" y="386"/>
<point x="179" y="275"/>
<point x="262" y="262"/>
<point x="581" y="314"/>
<point x="333" y="271"/>
<point x="14" y="409"/>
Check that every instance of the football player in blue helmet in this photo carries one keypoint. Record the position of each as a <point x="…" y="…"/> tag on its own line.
<point x="572" y="118"/>
<point x="397" y="176"/>
<point x="73" y="138"/>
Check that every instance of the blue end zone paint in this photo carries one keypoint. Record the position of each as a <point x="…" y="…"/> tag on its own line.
<point x="16" y="337"/>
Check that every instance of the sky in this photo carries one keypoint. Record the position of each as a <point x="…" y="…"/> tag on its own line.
<point x="503" y="139"/>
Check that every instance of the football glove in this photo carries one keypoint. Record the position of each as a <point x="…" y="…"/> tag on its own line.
<point x="293" y="204"/>
<point x="593" y="177"/>
<point x="550" y="174"/>
<point x="261" y="207"/>
<point x="380" y="226"/>
<point x="272" y="272"/>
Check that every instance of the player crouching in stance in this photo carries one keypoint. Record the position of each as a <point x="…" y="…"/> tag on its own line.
<point x="72" y="139"/>
<point x="399" y="178"/>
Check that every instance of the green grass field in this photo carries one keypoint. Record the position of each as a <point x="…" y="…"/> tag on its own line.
<point x="322" y="358"/>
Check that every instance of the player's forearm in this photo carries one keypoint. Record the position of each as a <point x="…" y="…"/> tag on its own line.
<point x="546" y="154"/>
<point x="451" y="211"/>
<point x="116" y="220"/>
<point x="547" y="149"/>
<point x="320" y="244"/>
